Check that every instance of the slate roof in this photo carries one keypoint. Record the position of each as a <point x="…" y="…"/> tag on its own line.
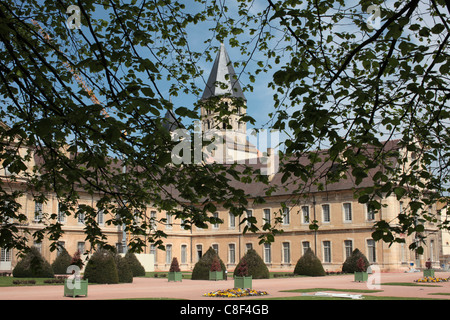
<point x="223" y="79"/>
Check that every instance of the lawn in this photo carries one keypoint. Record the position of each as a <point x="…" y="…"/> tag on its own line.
<point x="8" y="282"/>
<point x="409" y="284"/>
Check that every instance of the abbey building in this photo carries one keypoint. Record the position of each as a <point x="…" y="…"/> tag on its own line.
<point x="344" y="224"/>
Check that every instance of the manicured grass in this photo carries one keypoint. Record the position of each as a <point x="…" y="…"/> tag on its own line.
<point x="409" y="284"/>
<point x="8" y="282"/>
<point x="332" y="289"/>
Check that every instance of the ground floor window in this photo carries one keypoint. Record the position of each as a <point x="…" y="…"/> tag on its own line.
<point x="267" y="253"/>
<point x="327" y="251"/>
<point x="168" y="253"/>
<point x="286" y="252"/>
<point x="372" y="257"/>
<point x="183" y="253"/>
<point x="231" y="253"/>
<point x="5" y="255"/>
<point x="199" y="252"/>
<point x="348" y="244"/>
<point x="305" y="246"/>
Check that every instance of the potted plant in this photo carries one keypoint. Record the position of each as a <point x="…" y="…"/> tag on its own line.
<point x="215" y="273"/>
<point x="428" y="272"/>
<point x="361" y="275"/>
<point x="75" y="286"/>
<point x="174" y="271"/>
<point x="241" y="278"/>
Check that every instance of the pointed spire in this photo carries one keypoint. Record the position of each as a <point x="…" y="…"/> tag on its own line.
<point x="219" y="83"/>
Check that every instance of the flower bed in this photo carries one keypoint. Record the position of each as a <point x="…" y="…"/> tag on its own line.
<point x="235" y="293"/>
<point x="432" y="280"/>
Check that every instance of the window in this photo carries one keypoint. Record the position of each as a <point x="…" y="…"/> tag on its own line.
<point x="100" y="217"/>
<point x="183" y="253"/>
<point x="168" y="254"/>
<point x="348" y="245"/>
<point x="153" y="220"/>
<point x="199" y="252"/>
<point x="168" y="221"/>
<point x="432" y="250"/>
<point x="80" y="216"/>
<point x="137" y="216"/>
<point x="326" y="213"/>
<point x="232" y="253"/>
<point x="61" y="214"/>
<point x="267" y="253"/>
<point x="38" y="246"/>
<point x="216" y="216"/>
<point x="216" y="248"/>
<point x="372" y="257"/>
<point x="327" y="251"/>
<point x="153" y="251"/>
<point x="248" y="246"/>
<point x="37" y="211"/>
<point x="305" y="214"/>
<point x="305" y="246"/>
<point x="347" y="211"/>
<point x="403" y="254"/>
<point x="81" y="247"/>
<point x="232" y="220"/>
<point x="249" y="215"/>
<point x="286" y="216"/>
<point x="286" y="252"/>
<point x="267" y="215"/>
<point x="5" y="255"/>
<point x="370" y="212"/>
<point x="60" y="247"/>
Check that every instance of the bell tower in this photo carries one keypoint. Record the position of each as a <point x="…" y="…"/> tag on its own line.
<point x="223" y="88"/>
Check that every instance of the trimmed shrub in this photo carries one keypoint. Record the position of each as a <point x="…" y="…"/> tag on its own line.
<point x="242" y="269"/>
<point x="215" y="266"/>
<point x="136" y="267"/>
<point x="309" y="265"/>
<point x="124" y="271"/>
<point x="62" y="262"/>
<point x="255" y="265"/>
<point x="33" y="265"/>
<point x="101" y="268"/>
<point x="203" y="266"/>
<point x="76" y="260"/>
<point x="174" y="266"/>
<point x="351" y="263"/>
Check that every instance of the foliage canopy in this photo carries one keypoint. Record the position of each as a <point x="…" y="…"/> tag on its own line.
<point x="338" y="84"/>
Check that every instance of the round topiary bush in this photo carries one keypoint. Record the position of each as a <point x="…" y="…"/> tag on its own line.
<point x="203" y="266"/>
<point x="255" y="265"/>
<point x="101" y="268"/>
<point x="62" y="262"/>
<point x="33" y="265"/>
<point x="136" y="267"/>
<point x="124" y="271"/>
<point x="351" y="263"/>
<point x="309" y="265"/>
